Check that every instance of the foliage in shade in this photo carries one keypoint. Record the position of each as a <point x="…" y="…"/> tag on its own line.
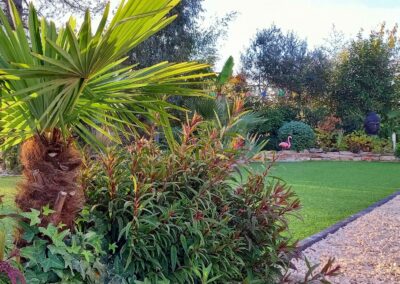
<point x="303" y="136"/>
<point x="74" y="80"/>
<point x="397" y="151"/>
<point x="274" y="118"/>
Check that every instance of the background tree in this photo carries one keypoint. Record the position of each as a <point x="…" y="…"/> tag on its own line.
<point x="55" y="8"/>
<point x="283" y="61"/>
<point x="277" y="59"/>
<point x="334" y="43"/>
<point x="185" y="39"/>
<point x="364" y="78"/>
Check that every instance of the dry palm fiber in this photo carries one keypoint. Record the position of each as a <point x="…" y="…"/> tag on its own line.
<point x="50" y="167"/>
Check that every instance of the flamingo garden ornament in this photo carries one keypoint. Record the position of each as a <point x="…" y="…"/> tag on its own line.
<point x="286" y="145"/>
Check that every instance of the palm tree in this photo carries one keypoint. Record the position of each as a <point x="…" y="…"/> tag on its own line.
<point x="59" y="83"/>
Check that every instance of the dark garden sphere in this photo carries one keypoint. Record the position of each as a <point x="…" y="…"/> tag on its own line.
<point x="372" y="123"/>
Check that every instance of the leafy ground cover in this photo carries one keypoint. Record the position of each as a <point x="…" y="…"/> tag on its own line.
<point x="329" y="191"/>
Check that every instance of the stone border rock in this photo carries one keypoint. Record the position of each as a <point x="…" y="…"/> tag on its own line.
<point x="319" y="155"/>
<point x="304" y="244"/>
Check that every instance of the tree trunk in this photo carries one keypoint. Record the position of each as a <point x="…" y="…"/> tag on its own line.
<point x="50" y="172"/>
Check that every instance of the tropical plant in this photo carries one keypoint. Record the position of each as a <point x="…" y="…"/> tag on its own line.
<point x="224" y="76"/>
<point x="58" y="83"/>
<point x="207" y="107"/>
<point x="303" y="137"/>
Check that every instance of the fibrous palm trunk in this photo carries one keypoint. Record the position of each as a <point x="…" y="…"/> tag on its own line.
<point x="50" y="172"/>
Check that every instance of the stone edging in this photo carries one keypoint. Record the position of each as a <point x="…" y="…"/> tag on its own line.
<point x="319" y="155"/>
<point x="304" y="244"/>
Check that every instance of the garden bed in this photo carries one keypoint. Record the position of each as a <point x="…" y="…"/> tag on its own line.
<point x="318" y="155"/>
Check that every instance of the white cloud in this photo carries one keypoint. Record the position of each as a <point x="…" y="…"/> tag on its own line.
<point x="310" y="19"/>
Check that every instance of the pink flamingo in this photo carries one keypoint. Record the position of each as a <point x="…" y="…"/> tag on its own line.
<point x="286" y="145"/>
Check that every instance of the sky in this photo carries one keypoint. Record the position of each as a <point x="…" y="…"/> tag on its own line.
<point x="310" y="19"/>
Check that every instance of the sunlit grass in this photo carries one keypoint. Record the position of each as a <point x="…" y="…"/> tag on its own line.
<point x="332" y="191"/>
<point x="7" y="190"/>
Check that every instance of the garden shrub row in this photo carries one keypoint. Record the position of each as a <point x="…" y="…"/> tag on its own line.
<point x="199" y="214"/>
<point x="327" y="133"/>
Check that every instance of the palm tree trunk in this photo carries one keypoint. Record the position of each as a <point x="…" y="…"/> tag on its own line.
<point x="50" y="172"/>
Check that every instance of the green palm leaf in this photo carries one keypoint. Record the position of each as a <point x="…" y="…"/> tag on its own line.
<point x="72" y="79"/>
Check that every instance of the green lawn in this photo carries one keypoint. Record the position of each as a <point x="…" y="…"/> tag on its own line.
<point x="331" y="191"/>
<point x="7" y="188"/>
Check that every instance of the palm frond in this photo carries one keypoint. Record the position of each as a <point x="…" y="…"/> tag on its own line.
<point x="72" y="79"/>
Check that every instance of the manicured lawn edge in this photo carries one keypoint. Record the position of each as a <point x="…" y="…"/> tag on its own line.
<point x="306" y="243"/>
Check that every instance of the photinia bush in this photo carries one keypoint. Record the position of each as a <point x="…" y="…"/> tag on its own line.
<point x="200" y="214"/>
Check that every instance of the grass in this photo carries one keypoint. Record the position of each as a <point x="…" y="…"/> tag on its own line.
<point x="7" y="188"/>
<point x="331" y="191"/>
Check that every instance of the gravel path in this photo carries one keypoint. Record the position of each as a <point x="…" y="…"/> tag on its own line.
<point x="367" y="249"/>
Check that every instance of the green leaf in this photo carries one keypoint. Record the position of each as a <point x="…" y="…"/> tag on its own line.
<point x="71" y="80"/>
<point x="226" y="72"/>
<point x="35" y="253"/>
<point x="46" y="211"/>
<point x="52" y="262"/>
<point x="33" y="217"/>
<point x="112" y="247"/>
<point x="174" y="257"/>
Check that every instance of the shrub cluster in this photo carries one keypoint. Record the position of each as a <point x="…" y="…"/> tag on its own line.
<point x="274" y="117"/>
<point x="303" y="136"/>
<point x="185" y="217"/>
<point x="359" y="141"/>
<point x="329" y="134"/>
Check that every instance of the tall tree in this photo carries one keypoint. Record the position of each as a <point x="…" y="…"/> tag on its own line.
<point x="283" y="61"/>
<point x="56" y="84"/>
<point x="276" y="58"/>
<point x="365" y="78"/>
<point x="185" y="39"/>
